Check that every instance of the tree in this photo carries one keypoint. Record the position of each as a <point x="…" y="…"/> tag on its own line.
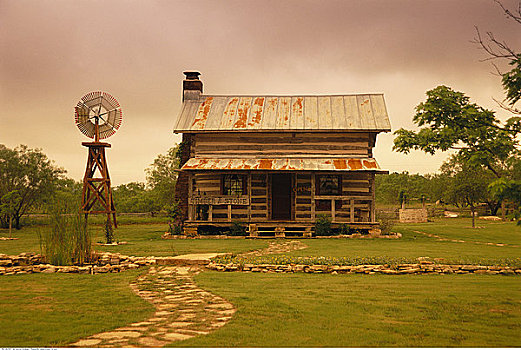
<point x="450" y="121"/>
<point x="162" y="176"/>
<point x="467" y="185"/>
<point x="31" y="174"/>
<point x="499" y="50"/>
<point x="134" y="197"/>
<point x="8" y="204"/>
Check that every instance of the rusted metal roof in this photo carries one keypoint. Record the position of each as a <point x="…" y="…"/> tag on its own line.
<point x="303" y="164"/>
<point x="283" y="113"/>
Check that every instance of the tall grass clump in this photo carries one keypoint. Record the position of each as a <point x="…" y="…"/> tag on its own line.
<point x="66" y="240"/>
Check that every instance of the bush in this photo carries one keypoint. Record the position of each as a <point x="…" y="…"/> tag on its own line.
<point x="66" y="240"/>
<point x="386" y="221"/>
<point x="323" y="225"/>
<point x="238" y="229"/>
<point x="109" y="231"/>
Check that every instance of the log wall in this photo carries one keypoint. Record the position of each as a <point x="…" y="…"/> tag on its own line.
<point x="266" y="145"/>
<point x="354" y="204"/>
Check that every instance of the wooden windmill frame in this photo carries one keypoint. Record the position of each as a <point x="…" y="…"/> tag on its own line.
<point x="98" y="115"/>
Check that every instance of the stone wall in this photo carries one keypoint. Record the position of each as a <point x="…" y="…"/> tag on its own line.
<point x="413" y="215"/>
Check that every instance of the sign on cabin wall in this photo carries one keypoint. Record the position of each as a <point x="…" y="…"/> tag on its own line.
<point x="219" y="200"/>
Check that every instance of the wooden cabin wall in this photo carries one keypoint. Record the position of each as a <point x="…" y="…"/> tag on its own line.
<point x="266" y="145"/>
<point x="354" y="204"/>
<point x="209" y="185"/>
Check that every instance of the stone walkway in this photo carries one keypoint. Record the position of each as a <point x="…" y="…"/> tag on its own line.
<point x="183" y="311"/>
<point x="462" y="241"/>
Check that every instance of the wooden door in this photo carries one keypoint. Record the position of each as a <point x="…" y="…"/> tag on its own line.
<point x="281" y="196"/>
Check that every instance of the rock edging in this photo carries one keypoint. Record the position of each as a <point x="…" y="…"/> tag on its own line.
<point x="400" y="269"/>
<point x="102" y="262"/>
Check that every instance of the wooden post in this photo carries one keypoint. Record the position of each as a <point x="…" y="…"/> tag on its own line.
<point x="372" y="213"/>
<point x="333" y="209"/>
<point x="210" y="212"/>
<point x="190" y="190"/>
<point x="313" y="197"/>
<point x="351" y="210"/>
<point x="249" y="196"/>
<point x="229" y="212"/>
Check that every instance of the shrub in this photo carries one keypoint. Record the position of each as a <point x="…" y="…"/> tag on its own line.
<point x="109" y="231"/>
<point x="386" y="221"/>
<point x="323" y="225"/>
<point x="344" y="229"/>
<point x="238" y="229"/>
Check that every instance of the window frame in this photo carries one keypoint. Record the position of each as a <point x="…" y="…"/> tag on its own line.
<point x="318" y="188"/>
<point x="243" y="181"/>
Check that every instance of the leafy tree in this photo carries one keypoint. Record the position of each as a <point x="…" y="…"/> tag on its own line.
<point x="468" y="185"/>
<point x="162" y="176"/>
<point x="389" y="186"/>
<point x="8" y="204"/>
<point x="134" y="197"/>
<point x="31" y="174"/>
<point x="449" y="121"/>
<point x="499" y="50"/>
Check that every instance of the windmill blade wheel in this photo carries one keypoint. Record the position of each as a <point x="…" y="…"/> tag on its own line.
<point x="101" y="109"/>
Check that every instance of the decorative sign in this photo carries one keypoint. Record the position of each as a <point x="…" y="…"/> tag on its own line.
<point x="302" y="188"/>
<point x="219" y="200"/>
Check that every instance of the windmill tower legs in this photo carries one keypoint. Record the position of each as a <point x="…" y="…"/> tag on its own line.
<point x="97" y="189"/>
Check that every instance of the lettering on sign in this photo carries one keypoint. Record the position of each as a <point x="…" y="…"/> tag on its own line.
<point x="302" y="189"/>
<point x="218" y="200"/>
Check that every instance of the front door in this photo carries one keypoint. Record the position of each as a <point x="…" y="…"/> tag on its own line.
<point x="281" y="196"/>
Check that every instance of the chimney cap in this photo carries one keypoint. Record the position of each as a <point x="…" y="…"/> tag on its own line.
<point x="192" y="75"/>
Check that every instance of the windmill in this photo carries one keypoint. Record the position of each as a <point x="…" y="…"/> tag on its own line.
<point x="98" y="115"/>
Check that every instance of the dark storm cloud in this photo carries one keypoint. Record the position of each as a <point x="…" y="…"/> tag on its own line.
<point x="52" y="52"/>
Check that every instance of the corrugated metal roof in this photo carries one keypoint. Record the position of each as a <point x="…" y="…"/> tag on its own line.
<point x="325" y="164"/>
<point x="284" y="113"/>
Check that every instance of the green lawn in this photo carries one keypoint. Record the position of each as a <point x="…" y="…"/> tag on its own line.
<point x="461" y="228"/>
<point x="414" y="244"/>
<point x="56" y="309"/>
<point x="301" y="310"/>
<point x="143" y="240"/>
<point x="287" y="309"/>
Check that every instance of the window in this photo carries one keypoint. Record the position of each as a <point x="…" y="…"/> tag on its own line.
<point x="201" y="212"/>
<point x="329" y="185"/>
<point x="233" y="185"/>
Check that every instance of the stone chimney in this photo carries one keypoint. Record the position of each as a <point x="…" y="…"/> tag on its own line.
<point x="192" y="86"/>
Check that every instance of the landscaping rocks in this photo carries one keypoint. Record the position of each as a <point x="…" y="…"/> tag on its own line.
<point x="402" y="269"/>
<point x="101" y="263"/>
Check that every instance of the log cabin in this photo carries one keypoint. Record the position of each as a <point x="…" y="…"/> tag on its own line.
<point x="276" y="163"/>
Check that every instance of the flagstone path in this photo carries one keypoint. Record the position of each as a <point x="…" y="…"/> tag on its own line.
<point x="183" y="310"/>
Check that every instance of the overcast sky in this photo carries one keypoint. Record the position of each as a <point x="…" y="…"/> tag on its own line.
<point x="53" y="52"/>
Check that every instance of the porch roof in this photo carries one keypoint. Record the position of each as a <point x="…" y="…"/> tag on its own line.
<point x="284" y="164"/>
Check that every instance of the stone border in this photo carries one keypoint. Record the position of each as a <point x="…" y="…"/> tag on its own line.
<point x="424" y="267"/>
<point x="392" y="235"/>
<point x="101" y="263"/>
